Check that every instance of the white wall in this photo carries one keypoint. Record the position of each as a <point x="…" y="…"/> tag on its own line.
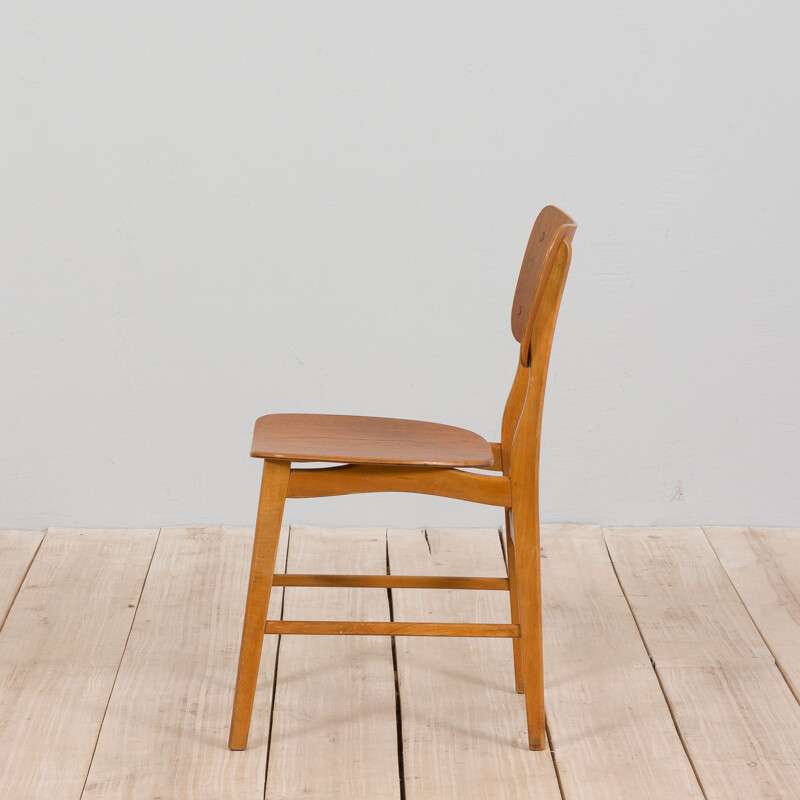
<point x="212" y="211"/>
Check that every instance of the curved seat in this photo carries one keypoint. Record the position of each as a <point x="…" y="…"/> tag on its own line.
<point x="367" y="440"/>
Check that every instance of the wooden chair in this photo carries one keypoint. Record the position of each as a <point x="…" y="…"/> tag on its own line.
<point x="393" y="455"/>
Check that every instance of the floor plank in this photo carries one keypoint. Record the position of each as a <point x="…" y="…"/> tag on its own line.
<point x="764" y="566"/>
<point x="334" y="728"/>
<point x="334" y="732"/>
<point x="165" y="733"/>
<point x="738" y="718"/>
<point x="609" y="723"/>
<point x="60" y="650"/>
<point x="463" y="723"/>
<point x="17" y="549"/>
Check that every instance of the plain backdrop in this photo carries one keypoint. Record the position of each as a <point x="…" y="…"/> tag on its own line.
<point x="212" y="211"/>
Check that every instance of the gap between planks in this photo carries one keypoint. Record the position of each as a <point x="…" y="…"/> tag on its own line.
<point x="463" y="724"/>
<point x="763" y="564"/>
<point x="757" y="573"/>
<point x="739" y="720"/>
<point x="19" y="548"/>
<point x="612" y="732"/>
<point x="482" y="747"/>
<point x="58" y="665"/>
<point x="124" y="648"/>
<point x="334" y="725"/>
<point x="166" y="727"/>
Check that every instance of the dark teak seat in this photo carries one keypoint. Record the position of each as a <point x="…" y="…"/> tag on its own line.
<point x="376" y="454"/>
<point x="367" y="440"/>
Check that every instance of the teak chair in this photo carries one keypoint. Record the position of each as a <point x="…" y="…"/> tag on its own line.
<point x="393" y="455"/>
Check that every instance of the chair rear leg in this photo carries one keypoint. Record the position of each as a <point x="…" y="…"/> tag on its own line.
<point x="525" y="522"/>
<point x="512" y="591"/>
<point x="274" y="482"/>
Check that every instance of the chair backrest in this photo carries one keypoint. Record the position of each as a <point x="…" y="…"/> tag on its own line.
<point x="533" y="320"/>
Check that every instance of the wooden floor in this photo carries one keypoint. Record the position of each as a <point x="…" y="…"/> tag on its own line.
<point x="672" y="668"/>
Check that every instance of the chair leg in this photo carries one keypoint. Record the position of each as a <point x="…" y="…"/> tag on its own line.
<point x="274" y="482"/>
<point x="512" y="592"/>
<point x="525" y="522"/>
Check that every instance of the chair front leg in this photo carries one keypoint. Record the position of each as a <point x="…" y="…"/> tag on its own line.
<point x="274" y="482"/>
<point x="511" y="558"/>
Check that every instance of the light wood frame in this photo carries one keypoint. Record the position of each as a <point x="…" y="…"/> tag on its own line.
<point x="516" y="489"/>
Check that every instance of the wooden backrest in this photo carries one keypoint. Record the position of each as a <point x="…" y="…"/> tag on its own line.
<point x="551" y="227"/>
<point x="533" y="321"/>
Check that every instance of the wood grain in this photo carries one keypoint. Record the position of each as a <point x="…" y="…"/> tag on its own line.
<point x="737" y="716"/>
<point x="497" y="457"/>
<point x="523" y="521"/>
<point x="17" y="549"/>
<point x="334" y="728"/>
<point x="60" y="650"/>
<point x="166" y="729"/>
<point x="357" y="478"/>
<point x="550" y="229"/>
<point x="392" y="581"/>
<point x="381" y="454"/>
<point x="609" y="723"/>
<point x="346" y="627"/>
<point x="274" y="478"/>
<point x="367" y="440"/>
<point x="764" y="566"/>
<point x="513" y="597"/>
<point x="463" y="723"/>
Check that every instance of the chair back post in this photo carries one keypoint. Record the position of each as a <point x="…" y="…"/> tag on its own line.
<point x="525" y="445"/>
<point x="536" y="304"/>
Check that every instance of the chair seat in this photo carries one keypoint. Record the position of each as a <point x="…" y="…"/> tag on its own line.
<point x="367" y="440"/>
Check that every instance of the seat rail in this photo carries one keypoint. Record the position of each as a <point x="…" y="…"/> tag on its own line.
<point x="493" y="490"/>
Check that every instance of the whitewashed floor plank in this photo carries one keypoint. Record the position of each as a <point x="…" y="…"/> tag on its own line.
<point x="334" y="728"/>
<point x="17" y="549"/>
<point x="166" y="730"/>
<point x="464" y="732"/>
<point x="764" y="566"/>
<point x="738" y="718"/>
<point x="60" y="650"/>
<point x="334" y="732"/>
<point x="610" y="725"/>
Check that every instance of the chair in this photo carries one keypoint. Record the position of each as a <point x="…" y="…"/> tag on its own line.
<point x="393" y="455"/>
